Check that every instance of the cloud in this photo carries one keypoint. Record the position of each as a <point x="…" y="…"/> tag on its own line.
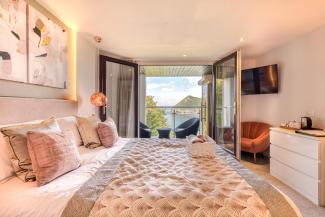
<point x="156" y="85"/>
<point x="151" y="86"/>
<point x="168" y="91"/>
<point x="192" y="80"/>
<point x="195" y="91"/>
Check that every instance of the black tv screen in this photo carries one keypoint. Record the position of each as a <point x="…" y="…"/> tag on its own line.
<point x="260" y="80"/>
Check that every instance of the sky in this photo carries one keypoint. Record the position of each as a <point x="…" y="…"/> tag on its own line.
<point x="168" y="91"/>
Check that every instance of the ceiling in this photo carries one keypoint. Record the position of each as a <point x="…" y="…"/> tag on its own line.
<point x="172" y="71"/>
<point x="203" y="30"/>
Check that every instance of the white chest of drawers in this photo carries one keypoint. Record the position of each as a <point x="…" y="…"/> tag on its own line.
<point x="298" y="161"/>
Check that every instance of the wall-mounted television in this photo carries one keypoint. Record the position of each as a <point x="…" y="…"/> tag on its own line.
<point x="260" y="80"/>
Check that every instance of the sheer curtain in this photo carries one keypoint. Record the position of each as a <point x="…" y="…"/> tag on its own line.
<point x="120" y="91"/>
<point x="126" y="102"/>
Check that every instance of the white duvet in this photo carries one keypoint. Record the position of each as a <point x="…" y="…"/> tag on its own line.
<point x="26" y="200"/>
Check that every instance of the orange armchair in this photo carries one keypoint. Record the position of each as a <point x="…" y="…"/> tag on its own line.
<point x="255" y="137"/>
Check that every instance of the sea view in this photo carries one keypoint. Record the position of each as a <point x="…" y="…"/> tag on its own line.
<point x="179" y="97"/>
<point x="179" y="117"/>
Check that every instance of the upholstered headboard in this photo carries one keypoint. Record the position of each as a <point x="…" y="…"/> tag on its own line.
<point x="16" y="110"/>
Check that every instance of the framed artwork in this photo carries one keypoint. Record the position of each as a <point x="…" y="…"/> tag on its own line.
<point x="13" y="43"/>
<point x="48" y="50"/>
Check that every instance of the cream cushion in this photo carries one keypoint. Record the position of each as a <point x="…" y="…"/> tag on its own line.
<point x="88" y="131"/>
<point x="6" y="169"/>
<point x="70" y="124"/>
<point x="52" y="154"/>
<point x="17" y="136"/>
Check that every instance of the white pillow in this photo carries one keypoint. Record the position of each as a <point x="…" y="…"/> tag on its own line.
<point x="70" y="124"/>
<point x="6" y="168"/>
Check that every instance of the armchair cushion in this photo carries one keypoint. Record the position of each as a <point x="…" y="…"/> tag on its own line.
<point x="246" y="144"/>
<point x="187" y="128"/>
<point x="145" y="131"/>
<point x="255" y="137"/>
<point x="179" y="129"/>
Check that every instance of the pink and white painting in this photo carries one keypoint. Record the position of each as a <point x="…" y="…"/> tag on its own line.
<point x="48" y="51"/>
<point x="13" y="45"/>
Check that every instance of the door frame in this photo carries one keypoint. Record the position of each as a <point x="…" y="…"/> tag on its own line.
<point x="237" y="124"/>
<point x="102" y="86"/>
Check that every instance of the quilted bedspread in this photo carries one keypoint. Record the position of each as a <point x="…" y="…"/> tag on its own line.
<point x="159" y="178"/>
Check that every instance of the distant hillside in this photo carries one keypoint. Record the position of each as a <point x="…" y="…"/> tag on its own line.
<point x="189" y="101"/>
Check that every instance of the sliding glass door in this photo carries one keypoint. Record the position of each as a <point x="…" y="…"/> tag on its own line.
<point x="227" y="103"/>
<point x="119" y="81"/>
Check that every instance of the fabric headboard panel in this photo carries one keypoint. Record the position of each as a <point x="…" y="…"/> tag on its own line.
<point x="16" y="110"/>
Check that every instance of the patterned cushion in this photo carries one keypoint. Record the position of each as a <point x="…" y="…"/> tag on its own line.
<point x="107" y="133"/>
<point x="17" y="136"/>
<point x="53" y="154"/>
<point x="87" y="128"/>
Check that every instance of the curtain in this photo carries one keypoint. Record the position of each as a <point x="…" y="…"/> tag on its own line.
<point x="126" y="101"/>
<point x="120" y="91"/>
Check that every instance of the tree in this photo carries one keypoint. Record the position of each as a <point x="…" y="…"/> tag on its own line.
<point x="155" y="117"/>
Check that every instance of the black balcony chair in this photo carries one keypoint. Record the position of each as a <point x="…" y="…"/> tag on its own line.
<point x="145" y="131"/>
<point x="189" y="127"/>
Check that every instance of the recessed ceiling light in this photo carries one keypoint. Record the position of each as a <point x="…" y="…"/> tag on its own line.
<point x="184" y="55"/>
<point x="241" y="40"/>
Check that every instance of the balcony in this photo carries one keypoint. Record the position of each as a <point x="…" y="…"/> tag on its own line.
<point x="172" y="116"/>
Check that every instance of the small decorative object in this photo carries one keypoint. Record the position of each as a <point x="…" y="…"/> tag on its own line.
<point x="290" y="125"/>
<point x="283" y="125"/>
<point x="294" y="124"/>
<point x="306" y="123"/>
<point x="98" y="99"/>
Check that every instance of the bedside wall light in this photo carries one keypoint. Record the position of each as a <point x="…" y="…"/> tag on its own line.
<point x="98" y="99"/>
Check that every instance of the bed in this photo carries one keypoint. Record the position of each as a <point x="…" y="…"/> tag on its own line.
<point x="147" y="178"/>
<point x="25" y="199"/>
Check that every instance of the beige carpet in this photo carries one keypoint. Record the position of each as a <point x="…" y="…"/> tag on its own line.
<point x="261" y="168"/>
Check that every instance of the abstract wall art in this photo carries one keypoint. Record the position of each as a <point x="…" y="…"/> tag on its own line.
<point x="33" y="46"/>
<point x="48" y="51"/>
<point x="13" y="45"/>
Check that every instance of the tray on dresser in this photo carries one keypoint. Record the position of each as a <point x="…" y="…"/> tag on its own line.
<point x="312" y="132"/>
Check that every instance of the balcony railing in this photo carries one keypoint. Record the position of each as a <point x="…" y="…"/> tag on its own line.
<point x="174" y="116"/>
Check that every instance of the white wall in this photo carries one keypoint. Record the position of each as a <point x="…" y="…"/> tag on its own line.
<point x="87" y="74"/>
<point x="302" y="82"/>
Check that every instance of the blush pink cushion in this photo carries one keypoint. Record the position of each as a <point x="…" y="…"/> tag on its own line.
<point x="107" y="133"/>
<point x="52" y="154"/>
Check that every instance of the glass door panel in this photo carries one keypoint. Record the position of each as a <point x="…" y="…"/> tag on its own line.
<point x="226" y="103"/>
<point x="120" y="94"/>
<point x="119" y="82"/>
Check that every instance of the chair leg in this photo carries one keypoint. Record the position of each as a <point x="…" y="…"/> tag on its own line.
<point x="255" y="158"/>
